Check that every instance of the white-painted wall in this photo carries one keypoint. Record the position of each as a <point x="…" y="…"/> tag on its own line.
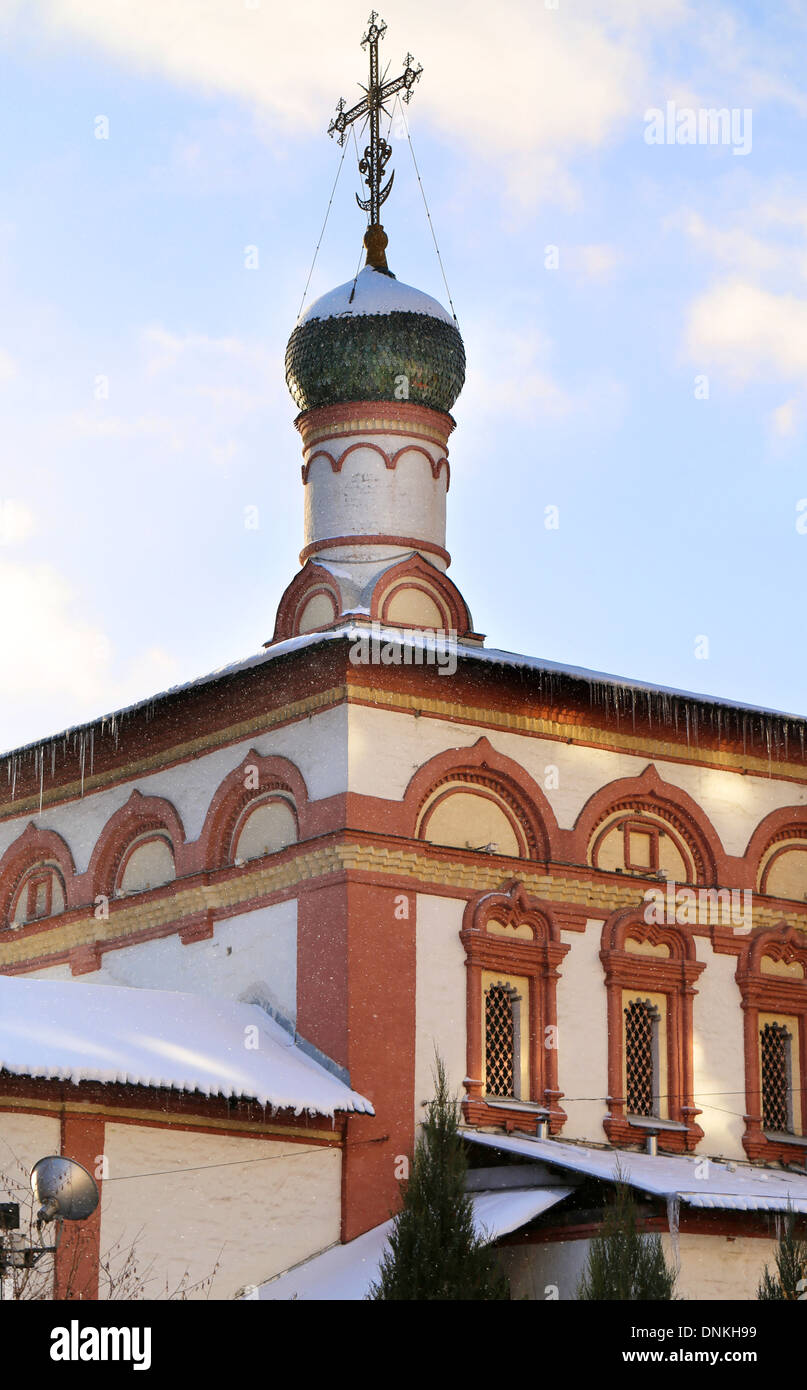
<point x="24" y="1139"/>
<point x="440" y="996"/>
<point x="252" y="1219"/>
<point x="718" y="1058"/>
<point x="583" y="1034"/>
<point x="367" y="498"/>
<point x="252" y="957"/>
<point x="386" y="747"/>
<point x="711" y="1267"/>
<point x="318" y="748"/>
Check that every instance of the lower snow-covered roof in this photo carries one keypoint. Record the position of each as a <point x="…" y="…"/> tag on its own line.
<point x="150" y="1037"/>
<point x="693" y="1179"/>
<point x="345" y="1272"/>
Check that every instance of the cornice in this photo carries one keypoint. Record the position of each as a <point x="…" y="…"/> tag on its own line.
<point x="181" y="906"/>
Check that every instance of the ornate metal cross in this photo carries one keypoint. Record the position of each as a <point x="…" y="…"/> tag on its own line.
<point x="378" y="152"/>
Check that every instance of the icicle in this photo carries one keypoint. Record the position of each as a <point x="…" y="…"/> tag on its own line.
<point x="673" y="1215"/>
<point x="41" y="779"/>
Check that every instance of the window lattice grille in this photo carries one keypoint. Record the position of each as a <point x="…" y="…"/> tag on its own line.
<point x="640" y="1019"/>
<point x="500" y="1001"/>
<point x="775" y="1044"/>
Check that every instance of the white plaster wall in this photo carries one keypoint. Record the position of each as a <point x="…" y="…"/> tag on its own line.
<point x="255" y="1219"/>
<point x="23" y="1140"/>
<point x="367" y="498"/>
<point x="718" y="1060"/>
<point x="440" y="996"/>
<point x="711" y="1267"/>
<point x="583" y="1035"/>
<point x="317" y="746"/>
<point x="386" y="747"/>
<point x="251" y="957"/>
<point x="720" y="1267"/>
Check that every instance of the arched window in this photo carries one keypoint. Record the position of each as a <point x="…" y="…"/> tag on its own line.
<point x="650" y="973"/>
<point x="643" y="1058"/>
<point x="772" y="975"/>
<point x="779" y="1095"/>
<point x="783" y="867"/>
<point x="476" y="813"/>
<point x="147" y="863"/>
<point x="41" y="894"/>
<point x="643" y="843"/>
<point x="264" y="828"/>
<point x="513" y="949"/>
<point x="505" y="1059"/>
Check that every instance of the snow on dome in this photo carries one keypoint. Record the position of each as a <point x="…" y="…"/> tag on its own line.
<point x="153" y="1037"/>
<point x="376" y="293"/>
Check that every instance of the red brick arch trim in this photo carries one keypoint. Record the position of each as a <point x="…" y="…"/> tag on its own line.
<point x="139" y="815"/>
<point x="651" y="793"/>
<point x="788" y="823"/>
<point x="311" y="579"/>
<point x="234" y="796"/>
<point x="482" y="766"/>
<point x="34" y="846"/>
<point x="415" y="572"/>
<point x="537" y="960"/>
<point x="673" y="976"/>
<point x="763" y="993"/>
<point x="390" y="459"/>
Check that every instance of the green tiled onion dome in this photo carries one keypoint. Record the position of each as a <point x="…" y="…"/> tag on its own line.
<point x="357" y="344"/>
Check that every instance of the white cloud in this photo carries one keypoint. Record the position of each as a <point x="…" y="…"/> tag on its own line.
<point x="523" y="82"/>
<point x="595" y="262"/>
<point x="103" y="426"/>
<point x="733" y="247"/>
<point x="784" y="418"/>
<point x="17" y="521"/>
<point x="8" y="367"/>
<point x="749" y="332"/>
<point x="57" y="668"/>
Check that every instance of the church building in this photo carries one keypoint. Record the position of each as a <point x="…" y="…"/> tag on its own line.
<point x="239" y="919"/>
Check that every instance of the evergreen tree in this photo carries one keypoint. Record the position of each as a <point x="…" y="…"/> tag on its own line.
<point x="791" y="1266"/>
<point x="434" y="1251"/>
<point x="622" y="1263"/>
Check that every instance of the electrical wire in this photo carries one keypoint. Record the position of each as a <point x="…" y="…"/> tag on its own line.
<point x="426" y="206"/>
<point x="322" y="232"/>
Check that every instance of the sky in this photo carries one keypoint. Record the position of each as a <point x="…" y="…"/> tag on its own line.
<point x="628" y="485"/>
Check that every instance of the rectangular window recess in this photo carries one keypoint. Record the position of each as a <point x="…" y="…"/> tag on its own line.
<point x="497" y="1103"/>
<point x="651" y="1122"/>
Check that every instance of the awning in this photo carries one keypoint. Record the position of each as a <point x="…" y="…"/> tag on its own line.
<point x="696" y="1180"/>
<point x="153" y="1037"/>
<point x="345" y="1272"/>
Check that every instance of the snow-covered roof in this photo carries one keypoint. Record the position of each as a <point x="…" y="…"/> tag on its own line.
<point x="375" y="293"/>
<point x="345" y="1272"/>
<point x="693" y="1179"/>
<point x="151" y="1037"/>
<point x="607" y="690"/>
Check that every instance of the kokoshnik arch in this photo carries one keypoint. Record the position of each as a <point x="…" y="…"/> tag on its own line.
<point x="373" y="862"/>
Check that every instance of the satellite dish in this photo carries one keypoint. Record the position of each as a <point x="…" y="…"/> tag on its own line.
<point x="66" y="1191"/>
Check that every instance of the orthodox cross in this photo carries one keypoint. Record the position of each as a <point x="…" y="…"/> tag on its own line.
<point x="377" y="154"/>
